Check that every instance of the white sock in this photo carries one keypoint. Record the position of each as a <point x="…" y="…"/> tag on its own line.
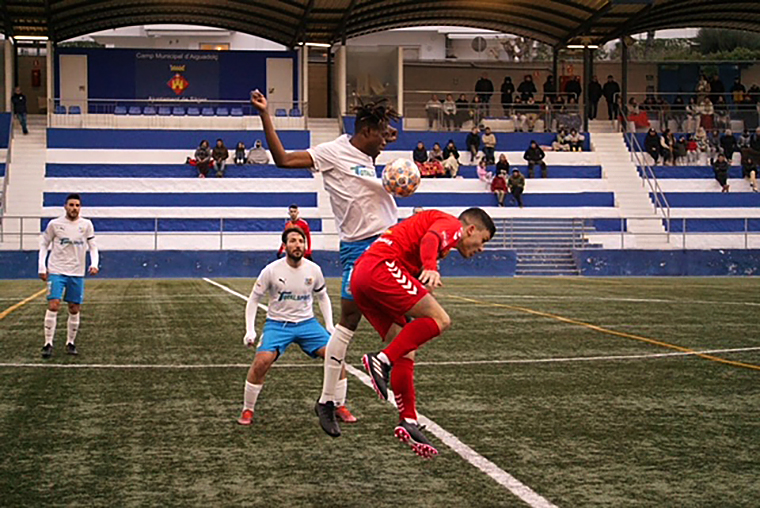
<point x="72" y="328"/>
<point x="335" y="353"/>
<point x="341" y="388"/>
<point x="251" y="394"/>
<point x="50" y="320"/>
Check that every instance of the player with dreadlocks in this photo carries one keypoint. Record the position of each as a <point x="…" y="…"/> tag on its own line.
<point x="363" y="211"/>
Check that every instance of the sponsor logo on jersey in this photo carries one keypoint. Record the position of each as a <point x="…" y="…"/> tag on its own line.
<point x="364" y="171"/>
<point x="288" y="295"/>
<point x="69" y="241"/>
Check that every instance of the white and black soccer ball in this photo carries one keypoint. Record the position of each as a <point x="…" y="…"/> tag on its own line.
<point x="401" y="178"/>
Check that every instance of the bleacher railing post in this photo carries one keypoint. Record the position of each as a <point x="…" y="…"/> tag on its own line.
<point x="683" y="229"/>
<point x="221" y="234"/>
<point x="746" y="233"/>
<point x="21" y="234"/>
<point x="622" y="235"/>
<point x="155" y="233"/>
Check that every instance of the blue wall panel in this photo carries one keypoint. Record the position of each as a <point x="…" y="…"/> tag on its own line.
<point x="435" y="199"/>
<point x="715" y="199"/>
<point x="53" y="170"/>
<point x="704" y="172"/>
<point x="187" y="264"/>
<point x="5" y="129"/>
<point x="193" y="225"/>
<point x="145" y="139"/>
<point x="643" y="263"/>
<point x="197" y="199"/>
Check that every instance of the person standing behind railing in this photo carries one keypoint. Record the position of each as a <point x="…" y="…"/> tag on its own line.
<point x="692" y="115"/>
<point x="610" y="91"/>
<point x="449" y="112"/>
<point x="433" y="110"/>
<point x="595" y="93"/>
<point x="722" y="117"/>
<point x="18" y="100"/>
<point x="484" y="89"/>
<point x="507" y="92"/>
<point x="679" y="113"/>
<point x="706" y="114"/>
<point x="463" y="107"/>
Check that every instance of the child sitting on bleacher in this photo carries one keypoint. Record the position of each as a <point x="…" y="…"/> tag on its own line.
<point x="240" y="154"/>
<point x="680" y="151"/>
<point x="576" y="139"/>
<point x="484" y="175"/>
<point x="561" y="144"/>
<point x="693" y="149"/>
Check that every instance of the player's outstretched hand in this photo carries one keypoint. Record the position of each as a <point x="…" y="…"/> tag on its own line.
<point x="259" y="101"/>
<point x="250" y="339"/>
<point x="94" y="270"/>
<point x="430" y="279"/>
<point x="43" y="276"/>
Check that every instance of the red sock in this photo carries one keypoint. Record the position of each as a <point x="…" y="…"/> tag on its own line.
<point x="412" y="336"/>
<point x="402" y="382"/>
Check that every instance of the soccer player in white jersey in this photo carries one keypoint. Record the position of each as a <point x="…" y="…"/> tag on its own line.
<point x="290" y="283"/>
<point x="71" y="236"/>
<point x="363" y="211"/>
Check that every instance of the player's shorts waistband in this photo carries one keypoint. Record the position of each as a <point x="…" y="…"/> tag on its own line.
<point x="285" y="324"/>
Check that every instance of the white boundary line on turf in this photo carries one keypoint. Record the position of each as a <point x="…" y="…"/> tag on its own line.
<point x="615" y="299"/>
<point x="503" y="478"/>
<point x="315" y="365"/>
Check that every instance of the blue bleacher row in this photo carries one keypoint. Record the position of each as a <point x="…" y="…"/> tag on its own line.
<point x="179" y="111"/>
<point x="142" y="225"/>
<point x="56" y="170"/>
<point x="691" y="172"/>
<point x="700" y="225"/>
<point x="711" y="199"/>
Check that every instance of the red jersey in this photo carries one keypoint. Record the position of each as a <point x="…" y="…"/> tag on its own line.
<point x="419" y="241"/>
<point x="299" y="223"/>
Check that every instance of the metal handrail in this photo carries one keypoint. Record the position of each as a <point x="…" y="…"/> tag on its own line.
<point x="660" y="200"/>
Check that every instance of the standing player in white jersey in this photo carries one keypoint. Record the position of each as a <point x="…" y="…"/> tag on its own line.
<point x="71" y="237"/>
<point x="363" y="211"/>
<point x="290" y="283"/>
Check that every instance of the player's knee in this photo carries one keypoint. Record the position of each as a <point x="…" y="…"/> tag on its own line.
<point x="54" y="305"/>
<point x="74" y="308"/>
<point x="350" y="315"/>
<point x="443" y="320"/>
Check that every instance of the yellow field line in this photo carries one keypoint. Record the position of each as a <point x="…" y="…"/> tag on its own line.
<point x="610" y="332"/>
<point x="23" y="302"/>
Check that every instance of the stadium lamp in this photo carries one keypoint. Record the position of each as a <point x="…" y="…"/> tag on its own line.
<point x="318" y="45"/>
<point x="575" y="46"/>
<point x="31" y="37"/>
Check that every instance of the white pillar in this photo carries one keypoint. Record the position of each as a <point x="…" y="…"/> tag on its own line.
<point x="50" y="69"/>
<point x="305" y="80"/>
<point x="400" y="84"/>
<point x="10" y="62"/>
<point x="341" y="78"/>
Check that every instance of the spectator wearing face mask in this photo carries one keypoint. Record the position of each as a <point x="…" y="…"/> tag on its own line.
<point x="257" y="154"/>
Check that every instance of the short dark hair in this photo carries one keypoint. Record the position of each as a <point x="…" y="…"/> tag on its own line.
<point x="480" y="218"/>
<point x="292" y="229"/>
<point x="293" y="206"/>
<point x="73" y="195"/>
<point x="373" y="115"/>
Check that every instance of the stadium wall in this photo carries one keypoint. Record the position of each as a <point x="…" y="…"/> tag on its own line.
<point x="230" y="263"/>
<point x="663" y="263"/>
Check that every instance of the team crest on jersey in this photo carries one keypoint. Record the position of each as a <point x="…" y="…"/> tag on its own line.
<point x="308" y="281"/>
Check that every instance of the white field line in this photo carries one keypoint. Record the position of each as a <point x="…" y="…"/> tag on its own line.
<point x="503" y="478"/>
<point x="517" y="297"/>
<point x="423" y="364"/>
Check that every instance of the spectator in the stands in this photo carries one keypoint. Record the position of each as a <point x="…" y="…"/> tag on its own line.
<point x="476" y="110"/>
<point x="433" y="109"/>
<point x="484" y="175"/>
<point x="702" y="88"/>
<point x="663" y="111"/>
<point x="652" y="145"/>
<point x="679" y="113"/>
<point x="706" y="114"/>
<point x="595" y="94"/>
<point x="713" y="141"/>
<point x="240" y="154"/>
<point x="738" y="90"/>
<point x="516" y="185"/>
<point x="203" y="160"/>
<point x="463" y="110"/>
<point x="729" y="145"/>
<point x="434" y="165"/>
<point x="703" y="147"/>
<point x="680" y="151"/>
<point x="527" y="88"/>
<point x="502" y="164"/>
<point x="507" y="93"/>
<point x="220" y="155"/>
<point x="573" y="119"/>
<point x="561" y="143"/>
<point x="573" y="88"/>
<point x="473" y="143"/>
<point x="610" y="91"/>
<point x="716" y="89"/>
<point x="722" y="117"/>
<point x="257" y="154"/>
<point x="519" y="115"/>
<point x="535" y="156"/>
<point x="667" y="147"/>
<point x="576" y="140"/>
<point x="550" y="89"/>
<point x="484" y="89"/>
<point x="749" y="170"/>
<point x="436" y="153"/>
<point x="489" y="145"/>
<point x="449" y="112"/>
<point x="720" y="168"/>
<point x="18" y="100"/>
<point x="451" y="159"/>
<point x="499" y="186"/>
<point x="744" y="139"/>
<point x="420" y="154"/>
<point x="639" y="118"/>
<point x="754" y="142"/>
<point x="692" y="115"/>
<point x="692" y="149"/>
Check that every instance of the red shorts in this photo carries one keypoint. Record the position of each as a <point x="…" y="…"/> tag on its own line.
<point x="384" y="291"/>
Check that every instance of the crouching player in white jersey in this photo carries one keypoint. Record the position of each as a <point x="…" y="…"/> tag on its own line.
<point x="363" y="211"/>
<point x="290" y="282"/>
<point x="71" y="236"/>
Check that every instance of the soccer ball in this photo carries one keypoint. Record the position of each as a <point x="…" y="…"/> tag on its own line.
<point x="401" y="178"/>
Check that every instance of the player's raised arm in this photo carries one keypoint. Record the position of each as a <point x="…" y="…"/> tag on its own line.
<point x="429" y="247"/>
<point x="282" y="159"/>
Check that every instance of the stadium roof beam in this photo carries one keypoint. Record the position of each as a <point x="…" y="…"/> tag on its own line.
<point x="586" y="25"/>
<point x="302" y="24"/>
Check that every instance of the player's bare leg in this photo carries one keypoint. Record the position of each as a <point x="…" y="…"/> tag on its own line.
<point x="254" y="382"/>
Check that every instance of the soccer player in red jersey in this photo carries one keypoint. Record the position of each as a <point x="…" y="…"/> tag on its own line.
<point x="394" y="279"/>
<point x="297" y="222"/>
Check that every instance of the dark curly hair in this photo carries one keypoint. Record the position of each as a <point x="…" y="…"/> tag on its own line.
<point x="374" y="114"/>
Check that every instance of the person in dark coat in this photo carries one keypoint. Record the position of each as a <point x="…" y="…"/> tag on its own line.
<point x="484" y="89"/>
<point x="507" y="92"/>
<point x="527" y="88"/>
<point x="473" y="143"/>
<point x="729" y="145"/>
<point x="594" y="95"/>
<point x="720" y="168"/>
<point x="573" y="88"/>
<point x="610" y="91"/>
<point x="652" y="145"/>
<point x="18" y="100"/>
<point x="534" y="155"/>
<point x="420" y="155"/>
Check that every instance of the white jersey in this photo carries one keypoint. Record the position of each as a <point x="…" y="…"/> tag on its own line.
<point x="290" y="289"/>
<point x="70" y="241"/>
<point x="361" y="206"/>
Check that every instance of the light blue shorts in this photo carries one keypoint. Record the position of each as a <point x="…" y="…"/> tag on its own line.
<point x="349" y="253"/>
<point x="72" y="286"/>
<point x="278" y="335"/>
